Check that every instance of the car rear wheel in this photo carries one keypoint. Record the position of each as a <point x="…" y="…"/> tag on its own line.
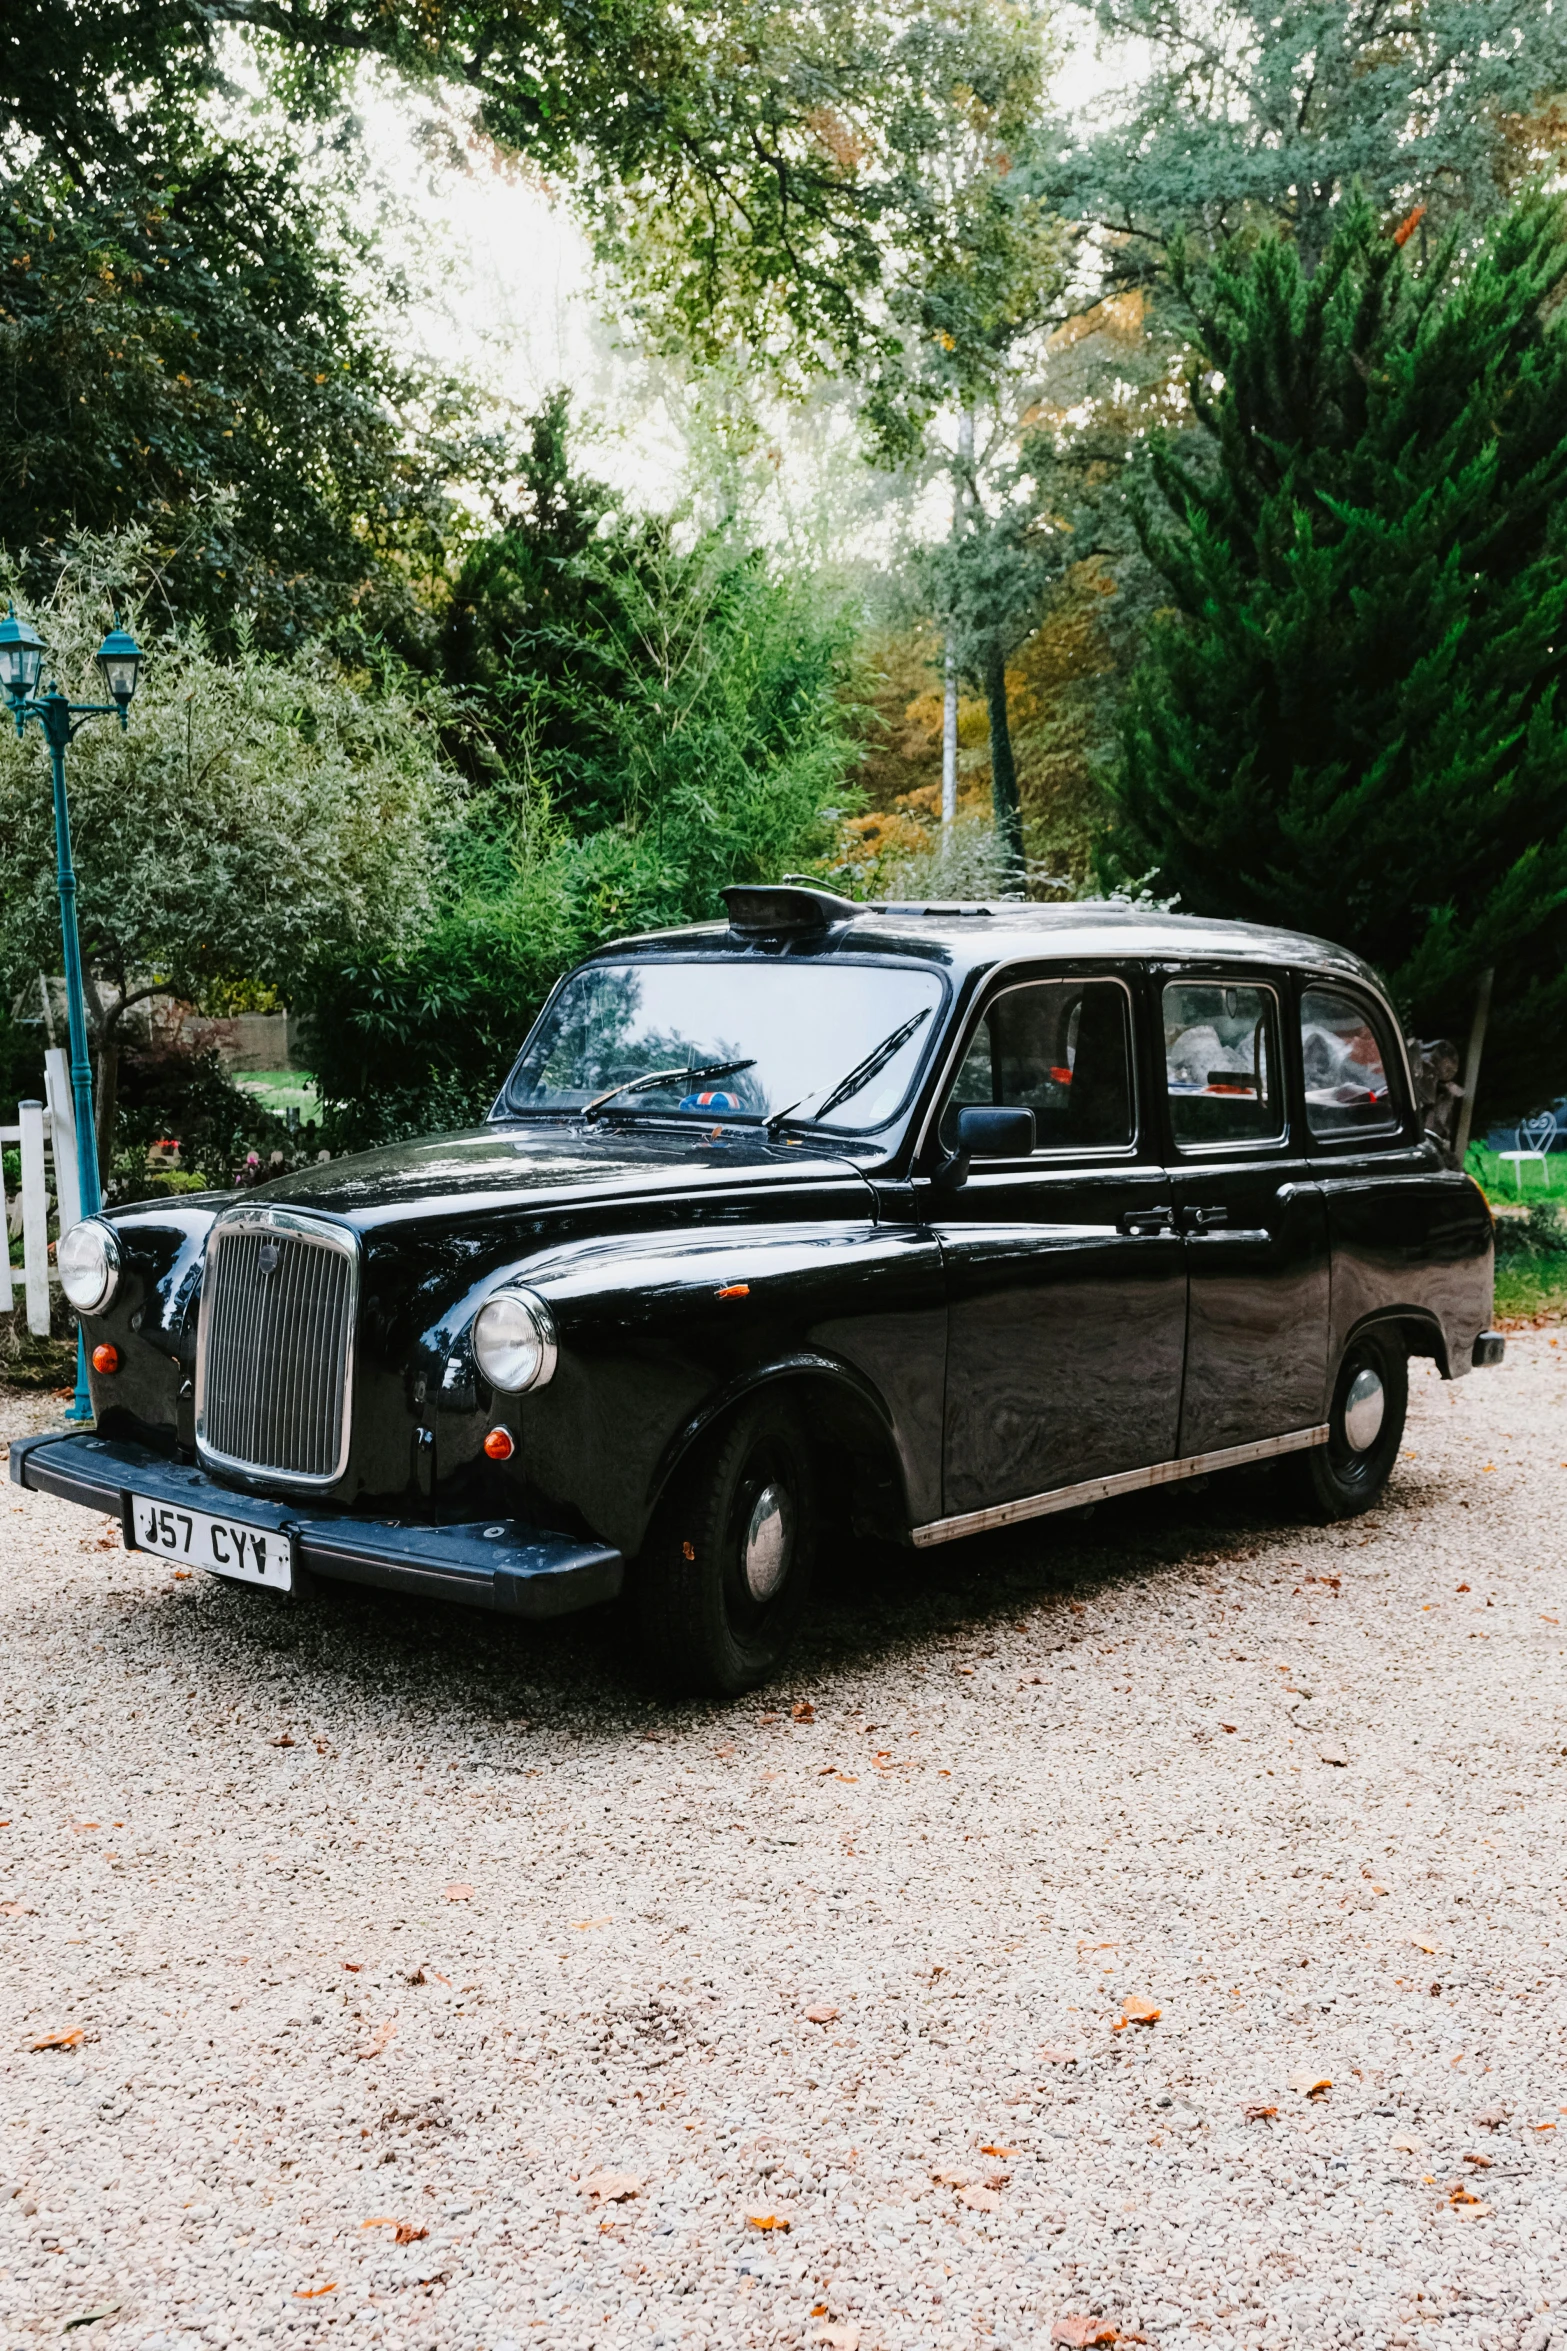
<point x="719" y="1591"/>
<point x="1365" y="1428"/>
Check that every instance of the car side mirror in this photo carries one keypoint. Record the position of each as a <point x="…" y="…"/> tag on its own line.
<point x="985" y="1133"/>
<point x="995" y="1134"/>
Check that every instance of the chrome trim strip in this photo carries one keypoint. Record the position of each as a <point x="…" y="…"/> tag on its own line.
<point x="1126" y="1481"/>
<point x="306" y="1228"/>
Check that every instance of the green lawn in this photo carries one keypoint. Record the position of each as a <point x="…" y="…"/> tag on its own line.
<point x="282" y="1090"/>
<point x="1501" y="1181"/>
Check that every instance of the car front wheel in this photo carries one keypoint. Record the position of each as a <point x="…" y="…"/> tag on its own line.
<point x="1365" y="1428"/>
<point x="721" y="1587"/>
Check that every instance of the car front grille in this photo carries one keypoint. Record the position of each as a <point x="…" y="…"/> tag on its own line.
<point x="275" y="1345"/>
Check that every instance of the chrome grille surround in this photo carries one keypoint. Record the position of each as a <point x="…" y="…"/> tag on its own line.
<point x="275" y="1346"/>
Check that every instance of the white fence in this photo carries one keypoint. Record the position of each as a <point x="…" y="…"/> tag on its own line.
<point x="46" y="1135"/>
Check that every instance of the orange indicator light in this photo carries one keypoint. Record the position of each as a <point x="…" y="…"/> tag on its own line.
<point x="105" y="1360"/>
<point x="500" y="1445"/>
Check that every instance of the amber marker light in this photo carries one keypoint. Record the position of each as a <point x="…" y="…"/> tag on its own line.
<point x="736" y="1290"/>
<point x="105" y="1360"/>
<point x="500" y="1445"/>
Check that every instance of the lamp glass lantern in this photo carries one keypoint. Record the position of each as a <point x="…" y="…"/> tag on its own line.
<point x="119" y="660"/>
<point x="21" y="656"/>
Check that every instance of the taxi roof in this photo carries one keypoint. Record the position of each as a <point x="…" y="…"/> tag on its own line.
<point x="965" y="938"/>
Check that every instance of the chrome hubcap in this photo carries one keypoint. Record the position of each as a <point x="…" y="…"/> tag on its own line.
<point x="766" y="1557"/>
<point x="1364" y="1407"/>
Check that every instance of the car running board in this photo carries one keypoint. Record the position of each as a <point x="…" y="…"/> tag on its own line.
<point x="1126" y="1481"/>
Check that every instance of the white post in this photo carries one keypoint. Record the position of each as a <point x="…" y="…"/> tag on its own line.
<point x="35" y="1218"/>
<point x="62" y="1139"/>
<point x="7" y="1291"/>
<point x="949" y="749"/>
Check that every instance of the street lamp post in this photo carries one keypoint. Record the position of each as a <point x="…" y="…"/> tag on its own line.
<point x="59" y="720"/>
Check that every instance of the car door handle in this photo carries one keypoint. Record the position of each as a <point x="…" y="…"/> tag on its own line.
<point x="1206" y="1220"/>
<point x="1141" y="1221"/>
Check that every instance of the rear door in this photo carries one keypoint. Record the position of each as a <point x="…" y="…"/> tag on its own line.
<point x="1251" y="1214"/>
<point x="1065" y="1276"/>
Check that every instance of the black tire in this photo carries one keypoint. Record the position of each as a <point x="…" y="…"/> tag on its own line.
<point x="705" y="1624"/>
<point x="1343" y="1477"/>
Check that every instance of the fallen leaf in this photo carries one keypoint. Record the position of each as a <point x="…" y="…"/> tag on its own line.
<point x="952" y="2179"/>
<point x="286" y="1741"/>
<point x="1481" y="2162"/>
<point x="1229" y="1726"/>
<point x="381" y="2220"/>
<point x="1542" y="2126"/>
<point x="1080" y="2332"/>
<point x="821" y="2016"/>
<point x="1459" y="2194"/>
<point x="1310" y="2081"/>
<point x="582" y="1925"/>
<point x="377" y="2045"/>
<point x="1408" y="2146"/>
<point x="1433" y="1948"/>
<point x="767" y="2220"/>
<point x="1137" y="2010"/>
<point x="1003" y="2152"/>
<point x="1261" y="2113"/>
<point x="1337" y="1756"/>
<point x="61" y="2040"/>
<point x="16" y="1910"/>
<point x="353" y="1965"/>
<point x="611" y="2187"/>
<point x="803" y="1710"/>
<point x="407" y="2234"/>
<point x="313" y="2293"/>
<point x="458" y="1893"/>
<point x="980" y="2199"/>
<point x="86" y="2318"/>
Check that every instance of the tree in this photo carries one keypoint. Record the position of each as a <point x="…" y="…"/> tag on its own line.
<point x="748" y="165"/>
<point x="188" y="348"/>
<point x="679" y="717"/>
<point x="257" y="815"/>
<point x="1354" y="724"/>
<point x="1252" y="114"/>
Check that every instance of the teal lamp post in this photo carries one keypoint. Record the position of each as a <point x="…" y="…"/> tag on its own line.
<point x="21" y="662"/>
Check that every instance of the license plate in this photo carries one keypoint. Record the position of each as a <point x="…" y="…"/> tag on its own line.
<point x="224" y="1546"/>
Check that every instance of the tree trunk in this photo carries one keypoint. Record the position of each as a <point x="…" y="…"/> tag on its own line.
<point x="1003" y="776"/>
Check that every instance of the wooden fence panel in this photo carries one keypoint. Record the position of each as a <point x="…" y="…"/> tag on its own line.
<point x="35" y="1217"/>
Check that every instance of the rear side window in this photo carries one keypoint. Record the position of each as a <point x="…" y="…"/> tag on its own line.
<point x="1347" y="1090"/>
<point x="1221" y="1059"/>
<point x="1062" y="1049"/>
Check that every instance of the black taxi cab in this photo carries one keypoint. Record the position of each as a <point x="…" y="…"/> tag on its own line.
<point x="919" y="1220"/>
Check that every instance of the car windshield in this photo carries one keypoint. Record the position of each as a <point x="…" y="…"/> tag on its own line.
<point x="802" y="1032"/>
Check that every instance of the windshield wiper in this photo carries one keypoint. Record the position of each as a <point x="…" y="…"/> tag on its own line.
<point x="858" y="1077"/>
<point x="664" y="1077"/>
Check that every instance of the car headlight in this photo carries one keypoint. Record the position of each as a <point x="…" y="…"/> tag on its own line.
<point x="89" y="1261"/>
<point x="514" y="1341"/>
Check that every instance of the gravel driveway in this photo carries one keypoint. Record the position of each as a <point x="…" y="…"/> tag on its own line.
<point x="362" y="1959"/>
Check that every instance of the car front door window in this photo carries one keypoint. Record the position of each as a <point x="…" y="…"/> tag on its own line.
<point x="1062" y="1049"/>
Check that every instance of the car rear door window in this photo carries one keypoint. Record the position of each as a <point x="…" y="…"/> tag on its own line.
<point x="1222" y="1067"/>
<point x="1062" y="1049"/>
<point x="1347" y="1089"/>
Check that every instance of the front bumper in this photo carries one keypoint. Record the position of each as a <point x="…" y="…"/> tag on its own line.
<point x="517" y="1570"/>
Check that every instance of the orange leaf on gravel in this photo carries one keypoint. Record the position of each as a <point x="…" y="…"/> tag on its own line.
<point x="767" y="2220"/>
<point x="1003" y="2152"/>
<point x="458" y="1893"/>
<point x="1260" y="2113"/>
<point x="611" y="2187"/>
<point x="1080" y="2332"/>
<point x="1137" y="2010"/>
<point x="407" y="2234"/>
<point x="1311" y="2081"/>
<point x="821" y="2016"/>
<point x="803" y="1710"/>
<point x="61" y="2040"/>
<point x="286" y="1741"/>
<point x="381" y="2220"/>
<point x="313" y="2293"/>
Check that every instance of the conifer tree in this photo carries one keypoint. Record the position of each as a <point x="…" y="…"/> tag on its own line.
<point x="1353" y="722"/>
